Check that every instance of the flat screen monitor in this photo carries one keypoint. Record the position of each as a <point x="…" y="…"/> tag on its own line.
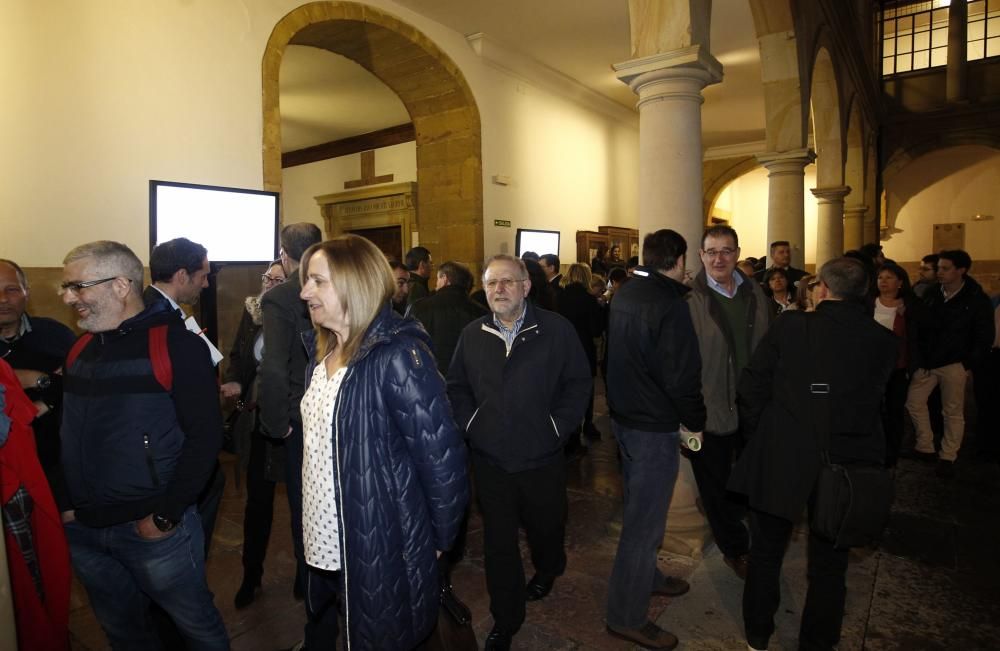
<point x="234" y="224"/>
<point x="541" y="242"/>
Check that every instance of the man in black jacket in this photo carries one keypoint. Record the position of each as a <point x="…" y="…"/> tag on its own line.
<point x="446" y="312"/>
<point x="956" y="336"/>
<point x="418" y="261"/>
<point x="827" y="369"/>
<point x="654" y="391"/>
<point x="283" y="373"/>
<point x="141" y="431"/>
<point x="518" y="383"/>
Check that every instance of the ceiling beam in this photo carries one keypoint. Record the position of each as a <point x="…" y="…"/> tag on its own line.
<point x="374" y="140"/>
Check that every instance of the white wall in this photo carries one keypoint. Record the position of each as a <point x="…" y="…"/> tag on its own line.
<point x="948" y="186"/>
<point x="746" y="198"/>
<point x="303" y="183"/>
<point x="101" y="96"/>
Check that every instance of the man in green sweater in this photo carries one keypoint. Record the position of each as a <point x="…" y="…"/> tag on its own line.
<point x="730" y="315"/>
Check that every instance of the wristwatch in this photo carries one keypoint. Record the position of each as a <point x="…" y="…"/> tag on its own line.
<point x="43" y="382"/>
<point x="163" y="523"/>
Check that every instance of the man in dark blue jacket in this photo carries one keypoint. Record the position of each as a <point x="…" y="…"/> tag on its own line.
<point x="141" y="431"/>
<point x="519" y="383"/>
<point x="654" y="391"/>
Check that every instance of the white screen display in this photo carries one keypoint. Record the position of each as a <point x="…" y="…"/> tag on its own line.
<point x="234" y="226"/>
<point x="541" y="242"/>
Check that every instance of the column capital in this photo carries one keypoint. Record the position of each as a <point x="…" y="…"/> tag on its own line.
<point x="831" y="195"/>
<point x="693" y="62"/>
<point x="787" y="162"/>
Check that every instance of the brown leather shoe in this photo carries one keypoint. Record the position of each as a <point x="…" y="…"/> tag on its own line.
<point x="648" y="636"/>
<point x="672" y="587"/>
<point x="738" y="564"/>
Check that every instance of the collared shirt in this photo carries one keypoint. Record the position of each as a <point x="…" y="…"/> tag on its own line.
<point x="22" y="330"/>
<point x="737" y="281"/>
<point x="947" y="296"/>
<point x="509" y="334"/>
<point x="173" y="303"/>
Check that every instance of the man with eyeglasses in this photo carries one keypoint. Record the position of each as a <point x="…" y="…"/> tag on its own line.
<point x="519" y="382"/>
<point x="35" y="347"/>
<point x="654" y="390"/>
<point x="138" y="448"/>
<point x="730" y="315"/>
<point x="927" y="275"/>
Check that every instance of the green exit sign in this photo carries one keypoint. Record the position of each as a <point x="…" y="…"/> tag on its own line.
<point x="502" y="222"/>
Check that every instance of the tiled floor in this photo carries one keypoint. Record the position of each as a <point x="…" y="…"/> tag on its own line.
<point x="932" y="585"/>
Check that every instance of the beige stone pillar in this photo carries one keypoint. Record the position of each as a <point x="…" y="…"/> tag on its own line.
<point x="669" y="87"/>
<point x="786" y="198"/>
<point x="955" y="81"/>
<point x="854" y="227"/>
<point x="830" y="223"/>
<point x="873" y="229"/>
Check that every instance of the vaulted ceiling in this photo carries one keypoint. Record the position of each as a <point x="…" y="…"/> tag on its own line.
<point x="326" y="97"/>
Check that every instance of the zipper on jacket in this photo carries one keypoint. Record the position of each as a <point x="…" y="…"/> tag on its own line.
<point x="554" y="425"/>
<point x="149" y="461"/>
<point x="340" y="508"/>
<point x="474" y="414"/>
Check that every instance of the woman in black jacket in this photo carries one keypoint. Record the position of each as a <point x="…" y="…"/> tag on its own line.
<point x="580" y="307"/>
<point x="262" y="457"/>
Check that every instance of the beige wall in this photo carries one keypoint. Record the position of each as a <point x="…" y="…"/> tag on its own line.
<point x="945" y="187"/>
<point x="102" y="96"/>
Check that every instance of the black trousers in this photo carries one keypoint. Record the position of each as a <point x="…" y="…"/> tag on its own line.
<point x="724" y="510"/>
<point x="824" y="608"/>
<point x="894" y="413"/>
<point x="535" y="498"/>
<point x="259" y="511"/>
<point x="322" y="593"/>
<point x="986" y="383"/>
<point x="293" y="484"/>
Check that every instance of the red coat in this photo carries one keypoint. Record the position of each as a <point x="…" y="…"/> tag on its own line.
<point x="40" y="626"/>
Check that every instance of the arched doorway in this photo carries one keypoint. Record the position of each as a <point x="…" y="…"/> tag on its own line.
<point x="445" y="117"/>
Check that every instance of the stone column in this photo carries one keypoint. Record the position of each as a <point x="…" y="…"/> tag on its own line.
<point x="854" y="227"/>
<point x="830" y="223"/>
<point x="786" y="198"/>
<point x="669" y="86"/>
<point x="958" y="17"/>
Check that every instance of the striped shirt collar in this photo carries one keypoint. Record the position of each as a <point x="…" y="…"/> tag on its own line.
<point x="509" y="334"/>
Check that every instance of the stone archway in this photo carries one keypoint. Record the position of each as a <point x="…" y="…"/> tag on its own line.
<point x="854" y="176"/>
<point x="829" y="137"/>
<point x="434" y="92"/>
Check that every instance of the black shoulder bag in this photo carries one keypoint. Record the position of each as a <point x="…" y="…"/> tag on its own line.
<point x="851" y="501"/>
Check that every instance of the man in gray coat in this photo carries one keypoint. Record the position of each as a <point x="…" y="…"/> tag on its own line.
<point x="730" y="315"/>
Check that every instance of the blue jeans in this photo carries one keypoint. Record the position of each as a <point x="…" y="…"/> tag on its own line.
<point x="649" y="470"/>
<point x="123" y="572"/>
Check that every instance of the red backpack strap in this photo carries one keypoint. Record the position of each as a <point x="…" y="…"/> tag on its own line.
<point x="77" y="348"/>
<point x="159" y="355"/>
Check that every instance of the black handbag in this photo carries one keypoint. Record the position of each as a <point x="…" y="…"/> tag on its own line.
<point x="453" y="631"/>
<point x="851" y="502"/>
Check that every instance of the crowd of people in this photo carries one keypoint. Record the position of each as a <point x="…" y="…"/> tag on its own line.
<point x="382" y="405"/>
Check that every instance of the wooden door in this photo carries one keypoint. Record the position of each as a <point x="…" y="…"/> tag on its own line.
<point x="389" y="240"/>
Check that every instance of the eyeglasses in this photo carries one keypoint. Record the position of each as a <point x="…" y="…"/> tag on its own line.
<point x="505" y="283"/>
<point x="75" y="287"/>
<point x="272" y="280"/>
<point x="720" y="253"/>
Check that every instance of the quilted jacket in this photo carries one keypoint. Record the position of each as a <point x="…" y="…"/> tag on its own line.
<point x="400" y="480"/>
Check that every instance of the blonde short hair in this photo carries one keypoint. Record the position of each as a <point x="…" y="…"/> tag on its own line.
<point x="364" y="283"/>
<point x="577" y="273"/>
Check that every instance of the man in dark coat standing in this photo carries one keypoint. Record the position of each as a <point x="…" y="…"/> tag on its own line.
<point x="832" y="364"/>
<point x="654" y="390"/>
<point x="283" y="373"/>
<point x="446" y="312"/>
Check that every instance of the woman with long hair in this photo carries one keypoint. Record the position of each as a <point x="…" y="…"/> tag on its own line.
<point x="896" y="308"/>
<point x="579" y="305"/>
<point x="263" y="458"/>
<point x="384" y="484"/>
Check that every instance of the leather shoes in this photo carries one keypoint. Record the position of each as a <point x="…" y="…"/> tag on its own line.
<point x="738" y="564"/>
<point x="929" y="457"/>
<point x="538" y="587"/>
<point x="246" y="594"/>
<point x="945" y="469"/>
<point x="672" y="587"/>
<point x="649" y="636"/>
<point x="498" y="640"/>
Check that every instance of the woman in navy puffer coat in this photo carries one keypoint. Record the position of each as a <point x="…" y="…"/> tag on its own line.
<point x="384" y="466"/>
